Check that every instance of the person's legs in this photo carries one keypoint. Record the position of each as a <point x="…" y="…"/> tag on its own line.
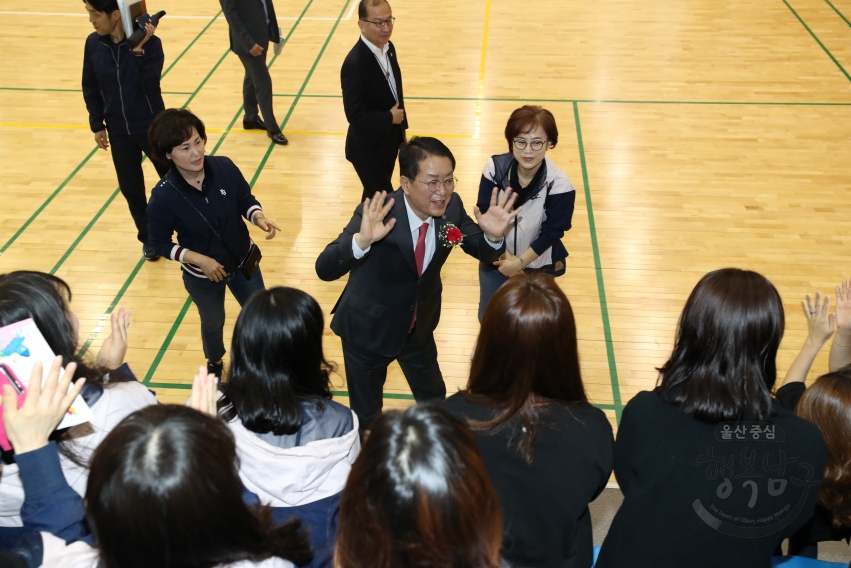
<point x="490" y="279"/>
<point x="373" y="176"/>
<point x="242" y="288"/>
<point x="127" y="158"/>
<point x="419" y="364"/>
<point x="209" y="298"/>
<point x="260" y="91"/>
<point x="145" y="146"/>
<point x="365" y="376"/>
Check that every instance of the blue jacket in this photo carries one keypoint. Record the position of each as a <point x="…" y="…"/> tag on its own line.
<point x="120" y="88"/>
<point x="225" y="196"/>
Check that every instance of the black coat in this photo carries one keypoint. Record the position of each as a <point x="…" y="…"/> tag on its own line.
<point x="377" y="306"/>
<point x="367" y="100"/>
<point x="247" y="24"/>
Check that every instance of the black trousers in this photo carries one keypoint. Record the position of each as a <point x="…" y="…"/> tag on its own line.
<point x="127" y="152"/>
<point x="366" y="373"/>
<point x="375" y="167"/>
<point x="257" y="90"/>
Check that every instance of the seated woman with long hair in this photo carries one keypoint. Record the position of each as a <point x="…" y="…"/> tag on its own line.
<point x="714" y="472"/>
<point x="547" y="450"/>
<point x="418" y="496"/>
<point x="827" y="404"/>
<point x="163" y="491"/>
<point x="110" y="387"/>
<point x="295" y="445"/>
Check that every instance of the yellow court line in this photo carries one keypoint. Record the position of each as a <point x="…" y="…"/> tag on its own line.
<point x="29" y="126"/>
<point x="478" y="127"/>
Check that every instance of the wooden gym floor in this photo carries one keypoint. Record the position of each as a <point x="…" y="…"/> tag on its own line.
<point x="698" y="135"/>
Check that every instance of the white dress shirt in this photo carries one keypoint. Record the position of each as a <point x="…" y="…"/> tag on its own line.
<point x="383" y="61"/>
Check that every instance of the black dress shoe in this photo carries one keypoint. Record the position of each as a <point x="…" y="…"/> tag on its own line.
<point x="255" y="124"/>
<point x="278" y="138"/>
<point x="150" y="253"/>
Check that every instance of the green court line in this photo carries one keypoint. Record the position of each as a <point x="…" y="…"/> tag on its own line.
<point x="815" y="37"/>
<point x="598" y="269"/>
<point x="80" y="166"/>
<point x="46" y="202"/>
<point x="110" y="309"/>
<point x="841" y="15"/>
<point x="179" y="320"/>
<point x="191" y="43"/>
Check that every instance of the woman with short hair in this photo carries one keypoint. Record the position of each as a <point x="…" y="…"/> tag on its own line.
<point x="533" y="239"/>
<point x="419" y="495"/>
<point x="713" y="470"/>
<point x="203" y="199"/>
<point x="547" y="450"/>
<point x="295" y="445"/>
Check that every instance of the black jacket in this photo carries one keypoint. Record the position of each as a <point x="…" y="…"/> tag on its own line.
<point x="247" y="24"/>
<point x="120" y="88"/>
<point x="224" y="198"/>
<point x="376" y="308"/>
<point x="367" y="100"/>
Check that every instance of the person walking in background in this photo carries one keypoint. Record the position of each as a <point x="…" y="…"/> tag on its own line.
<point x="252" y="25"/>
<point x="121" y="87"/>
<point x="373" y="99"/>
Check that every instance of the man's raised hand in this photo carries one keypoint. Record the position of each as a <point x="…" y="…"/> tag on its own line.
<point x="499" y="215"/>
<point x="372" y="226"/>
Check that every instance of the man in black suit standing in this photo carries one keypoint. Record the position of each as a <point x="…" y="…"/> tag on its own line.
<point x="373" y="100"/>
<point x="391" y="303"/>
<point x="253" y="25"/>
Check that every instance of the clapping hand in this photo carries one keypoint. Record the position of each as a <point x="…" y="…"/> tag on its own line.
<point x="843" y="308"/>
<point x="372" y="226"/>
<point x="499" y="215"/>
<point x="29" y="427"/>
<point x="114" y="348"/>
<point x="509" y="265"/>
<point x="820" y="321"/>
<point x="204" y="392"/>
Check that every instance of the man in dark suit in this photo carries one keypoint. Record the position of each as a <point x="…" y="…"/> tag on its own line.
<point x="373" y="100"/>
<point x="253" y="25"/>
<point x="391" y="304"/>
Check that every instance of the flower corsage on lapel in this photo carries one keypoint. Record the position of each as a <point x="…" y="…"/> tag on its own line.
<point x="450" y="235"/>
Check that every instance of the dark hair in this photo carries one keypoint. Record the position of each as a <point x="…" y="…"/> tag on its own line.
<point x="105" y="6"/>
<point x="526" y="355"/>
<point x="276" y="359"/>
<point x="530" y="117"/>
<point x="171" y="128"/>
<point x="418" y="495"/>
<point x="418" y="149"/>
<point x="164" y="491"/>
<point x="827" y="403"/>
<point x="723" y="363"/>
<point x="364" y="3"/>
<point x="45" y="298"/>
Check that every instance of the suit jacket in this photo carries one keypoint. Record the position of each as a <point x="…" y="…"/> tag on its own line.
<point x="375" y="310"/>
<point x="247" y="24"/>
<point x="367" y="100"/>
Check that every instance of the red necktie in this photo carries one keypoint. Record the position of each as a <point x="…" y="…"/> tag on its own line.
<point x="419" y="255"/>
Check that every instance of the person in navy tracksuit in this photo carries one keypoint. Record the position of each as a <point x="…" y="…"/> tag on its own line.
<point x="121" y="87"/>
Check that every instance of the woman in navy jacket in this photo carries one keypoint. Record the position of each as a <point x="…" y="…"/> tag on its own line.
<point x="202" y="198"/>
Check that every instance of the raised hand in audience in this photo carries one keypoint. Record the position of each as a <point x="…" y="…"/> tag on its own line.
<point x="29" y="427"/>
<point x="821" y="325"/>
<point x="204" y="392"/>
<point x="114" y="348"/>
<point x="840" y="349"/>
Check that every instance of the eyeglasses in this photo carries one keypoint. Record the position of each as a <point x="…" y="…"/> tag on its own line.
<point x="381" y="23"/>
<point x="536" y="145"/>
<point x="435" y="185"/>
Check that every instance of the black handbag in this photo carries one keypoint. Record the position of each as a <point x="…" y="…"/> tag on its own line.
<point x="250" y="262"/>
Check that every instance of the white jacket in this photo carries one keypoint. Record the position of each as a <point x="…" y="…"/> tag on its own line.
<point x="80" y="555"/>
<point x="289" y="477"/>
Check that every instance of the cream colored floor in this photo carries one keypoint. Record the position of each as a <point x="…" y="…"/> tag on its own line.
<point x="698" y="135"/>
